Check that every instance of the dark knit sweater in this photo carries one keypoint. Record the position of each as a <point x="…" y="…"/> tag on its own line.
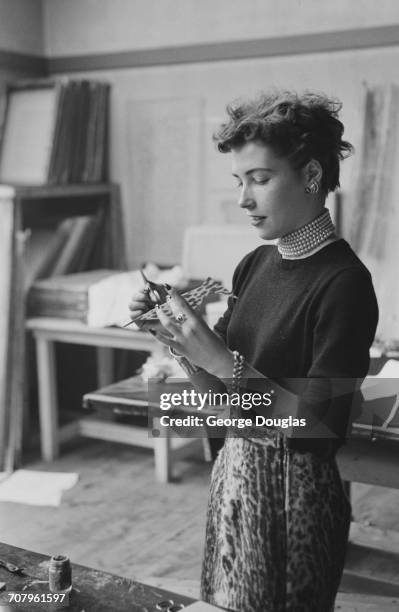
<point x="314" y="317"/>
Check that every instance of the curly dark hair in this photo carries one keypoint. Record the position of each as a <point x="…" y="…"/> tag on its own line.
<point x="299" y="127"/>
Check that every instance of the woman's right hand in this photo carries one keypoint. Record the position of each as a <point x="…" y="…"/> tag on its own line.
<point x="139" y="304"/>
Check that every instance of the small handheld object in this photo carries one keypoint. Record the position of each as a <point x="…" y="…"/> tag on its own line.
<point x="10" y="567"/>
<point x="155" y="292"/>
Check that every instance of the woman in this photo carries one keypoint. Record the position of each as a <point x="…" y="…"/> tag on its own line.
<point x="304" y="309"/>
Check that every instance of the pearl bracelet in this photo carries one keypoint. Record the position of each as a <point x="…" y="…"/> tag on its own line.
<point x="238" y="369"/>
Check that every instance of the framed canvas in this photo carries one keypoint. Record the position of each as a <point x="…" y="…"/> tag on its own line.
<point x="28" y="134"/>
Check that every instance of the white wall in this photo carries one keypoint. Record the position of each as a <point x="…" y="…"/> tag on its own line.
<point x="340" y="74"/>
<point x="21" y="31"/>
<point x="21" y="26"/>
<point x="76" y="27"/>
<point x="97" y="26"/>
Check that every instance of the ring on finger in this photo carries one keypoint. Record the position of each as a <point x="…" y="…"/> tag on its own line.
<point x="180" y="317"/>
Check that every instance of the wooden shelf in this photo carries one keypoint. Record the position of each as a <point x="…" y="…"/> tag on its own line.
<point x="63" y="191"/>
<point x="35" y="206"/>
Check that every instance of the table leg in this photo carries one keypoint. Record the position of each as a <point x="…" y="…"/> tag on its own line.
<point x="48" y="405"/>
<point x="163" y="467"/>
<point x="105" y="366"/>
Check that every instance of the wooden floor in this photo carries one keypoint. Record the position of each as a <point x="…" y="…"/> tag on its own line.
<point x="119" y="519"/>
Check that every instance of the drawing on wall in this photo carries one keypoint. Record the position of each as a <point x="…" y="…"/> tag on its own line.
<point x="166" y="174"/>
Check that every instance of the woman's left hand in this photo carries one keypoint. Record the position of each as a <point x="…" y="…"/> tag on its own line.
<point x="189" y="335"/>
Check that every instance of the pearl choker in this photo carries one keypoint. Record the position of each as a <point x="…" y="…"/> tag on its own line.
<point x="307" y="238"/>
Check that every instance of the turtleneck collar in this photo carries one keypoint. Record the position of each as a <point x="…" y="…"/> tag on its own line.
<point x="309" y="238"/>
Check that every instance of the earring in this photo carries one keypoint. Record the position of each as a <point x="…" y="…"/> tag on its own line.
<point x="312" y="188"/>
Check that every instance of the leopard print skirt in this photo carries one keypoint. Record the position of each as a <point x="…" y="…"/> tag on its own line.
<point x="277" y="529"/>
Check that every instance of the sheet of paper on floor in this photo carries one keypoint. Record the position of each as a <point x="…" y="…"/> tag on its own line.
<point x="36" y="488"/>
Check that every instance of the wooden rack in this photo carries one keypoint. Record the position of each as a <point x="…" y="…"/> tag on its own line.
<point x="22" y="207"/>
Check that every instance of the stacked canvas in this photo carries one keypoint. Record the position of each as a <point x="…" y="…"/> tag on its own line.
<point x="61" y="249"/>
<point x="55" y="132"/>
<point x="79" y="153"/>
<point x="97" y="297"/>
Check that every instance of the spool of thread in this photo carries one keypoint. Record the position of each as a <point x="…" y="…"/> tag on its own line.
<point x="60" y="574"/>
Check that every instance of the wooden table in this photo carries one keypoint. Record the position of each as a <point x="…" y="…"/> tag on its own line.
<point x="46" y="332"/>
<point x="131" y="398"/>
<point x="93" y="590"/>
<point x="371" y="462"/>
<point x="371" y="454"/>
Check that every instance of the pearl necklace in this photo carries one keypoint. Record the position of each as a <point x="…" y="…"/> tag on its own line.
<point x="307" y="238"/>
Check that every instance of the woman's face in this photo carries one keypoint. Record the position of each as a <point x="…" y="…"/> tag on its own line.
<point x="271" y="191"/>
